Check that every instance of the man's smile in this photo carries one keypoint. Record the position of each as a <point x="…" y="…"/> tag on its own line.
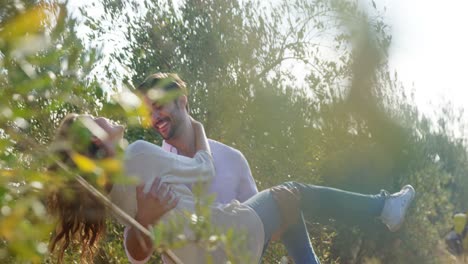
<point x="162" y="125"/>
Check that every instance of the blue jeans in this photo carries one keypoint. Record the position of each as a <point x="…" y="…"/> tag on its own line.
<point x="317" y="203"/>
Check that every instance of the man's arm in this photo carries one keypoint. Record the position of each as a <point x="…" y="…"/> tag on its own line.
<point x="131" y="240"/>
<point x="247" y="186"/>
<point x="151" y="207"/>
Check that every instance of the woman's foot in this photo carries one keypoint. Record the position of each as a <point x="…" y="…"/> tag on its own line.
<point x="396" y="205"/>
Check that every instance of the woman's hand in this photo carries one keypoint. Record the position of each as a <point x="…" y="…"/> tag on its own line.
<point x="151" y="206"/>
<point x="196" y="124"/>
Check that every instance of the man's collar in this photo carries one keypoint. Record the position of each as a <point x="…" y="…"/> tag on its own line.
<point x="168" y="147"/>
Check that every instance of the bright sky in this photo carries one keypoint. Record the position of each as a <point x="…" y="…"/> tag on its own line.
<point x="430" y="49"/>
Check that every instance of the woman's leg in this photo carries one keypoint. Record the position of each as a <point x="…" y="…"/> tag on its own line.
<point x="319" y="203"/>
<point x="297" y="242"/>
<point x="295" y="239"/>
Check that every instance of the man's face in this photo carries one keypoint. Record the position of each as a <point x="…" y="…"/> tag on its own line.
<point x="166" y="119"/>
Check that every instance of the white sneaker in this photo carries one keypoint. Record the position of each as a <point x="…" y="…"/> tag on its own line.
<point x="396" y="204"/>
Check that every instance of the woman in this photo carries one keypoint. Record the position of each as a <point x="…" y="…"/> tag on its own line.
<point x="260" y="217"/>
<point x="81" y="217"/>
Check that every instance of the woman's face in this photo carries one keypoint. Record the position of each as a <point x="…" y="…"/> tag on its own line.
<point x="113" y="130"/>
<point x="107" y="133"/>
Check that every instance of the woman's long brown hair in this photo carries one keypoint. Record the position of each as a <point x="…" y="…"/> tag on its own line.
<point x="81" y="217"/>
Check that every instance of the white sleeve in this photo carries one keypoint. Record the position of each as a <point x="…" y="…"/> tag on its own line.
<point x="146" y="161"/>
<point x="190" y="170"/>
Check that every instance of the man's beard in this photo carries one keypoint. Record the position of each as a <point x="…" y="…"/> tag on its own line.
<point x="171" y="132"/>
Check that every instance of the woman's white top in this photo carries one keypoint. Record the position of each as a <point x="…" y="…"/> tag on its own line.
<point x="145" y="161"/>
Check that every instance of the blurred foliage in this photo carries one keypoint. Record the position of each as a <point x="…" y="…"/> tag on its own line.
<point x="43" y="76"/>
<point x="344" y="121"/>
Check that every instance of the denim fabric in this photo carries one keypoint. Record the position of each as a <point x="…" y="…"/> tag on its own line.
<point x="318" y="203"/>
<point x="295" y="239"/>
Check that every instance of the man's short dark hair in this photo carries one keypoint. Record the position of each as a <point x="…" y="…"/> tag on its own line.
<point x="170" y="83"/>
<point x="166" y="81"/>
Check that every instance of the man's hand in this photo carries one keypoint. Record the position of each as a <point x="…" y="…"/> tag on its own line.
<point x="151" y="206"/>
<point x="288" y="200"/>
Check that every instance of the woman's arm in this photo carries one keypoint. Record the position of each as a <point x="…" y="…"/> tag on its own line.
<point x="199" y="168"/>
<point x="201" y="141"/>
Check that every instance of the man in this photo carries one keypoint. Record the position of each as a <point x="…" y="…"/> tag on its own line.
<point x="457" y="238"/>
<point x="166" y="95"/>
